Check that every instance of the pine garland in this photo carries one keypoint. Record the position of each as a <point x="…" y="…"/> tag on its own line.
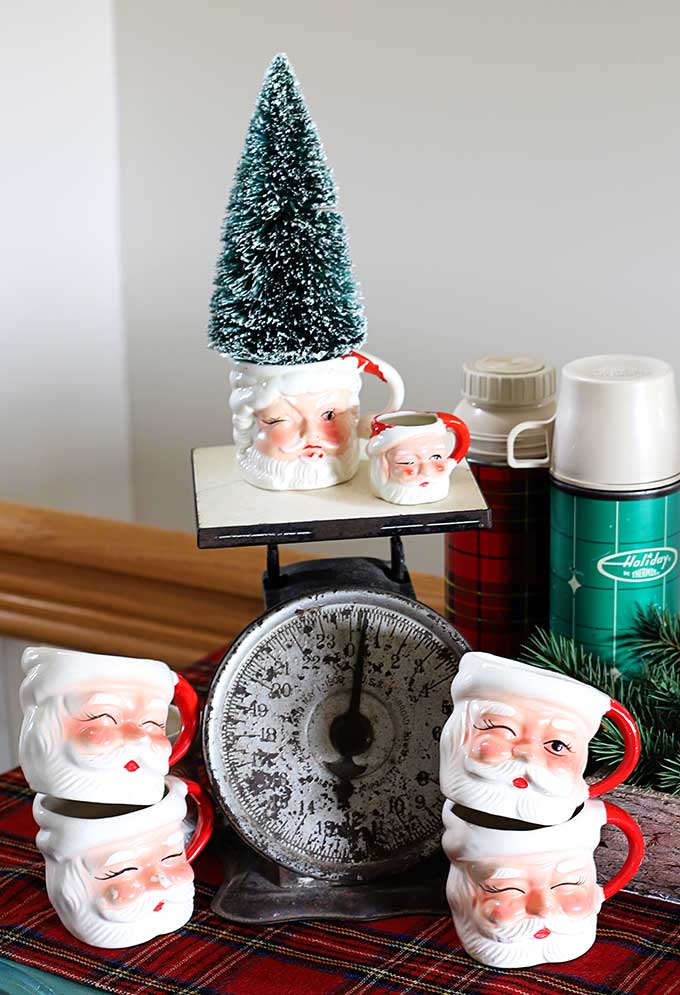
<point x="652" y="696"/>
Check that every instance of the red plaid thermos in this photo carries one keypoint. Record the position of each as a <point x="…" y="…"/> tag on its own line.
<point x="497" y="580"/>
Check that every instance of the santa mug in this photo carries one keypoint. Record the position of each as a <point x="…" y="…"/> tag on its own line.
<point x="412" y="454"/>
<point x="521" y="897"/>
<point x="516" y="743"/>
<point x="296" y="427"/>
<point x="120" y="875"/>
<point x="94" y="727"/>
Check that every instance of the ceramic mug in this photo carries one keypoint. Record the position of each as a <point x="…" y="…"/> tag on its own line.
<point x="412" y="454"/>
<point x="296" y="427"/>
<point x="118" y="875"/>
<point x="516" y="743"/>
<point x="94" y="726"/>
<point x="521" y="897"/>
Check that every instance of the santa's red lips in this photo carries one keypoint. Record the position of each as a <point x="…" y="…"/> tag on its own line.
<point x="541" y="934"/>
<point x="520" y="782"/>
<point x="158" y="907"/>
<point x="424" y="483"/>
<point x="313" y="451"/>
<point x="132" y="766"/>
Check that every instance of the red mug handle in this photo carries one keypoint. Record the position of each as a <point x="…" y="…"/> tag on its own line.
<point x="636" y="848"/>
<point x="625" y="723"/>
<point x="383" y="371"/>
<point x="205" y="821"/>
<point x="186" y="701"/>
<point x="460" y="431"/>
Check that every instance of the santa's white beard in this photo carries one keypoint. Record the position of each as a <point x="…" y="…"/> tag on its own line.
<point x="301" y="474"/>
<point x="548" y="799"/>
<point x="389" y="490"/>
<point x="105" y="926"/>
<point x="64" y="770"/>
<point x="514" y="944"/>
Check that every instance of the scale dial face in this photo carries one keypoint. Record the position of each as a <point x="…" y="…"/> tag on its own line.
<point x="345" y="800"/>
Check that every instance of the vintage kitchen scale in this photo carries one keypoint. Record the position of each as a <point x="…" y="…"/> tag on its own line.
<point x="321" y="726"/>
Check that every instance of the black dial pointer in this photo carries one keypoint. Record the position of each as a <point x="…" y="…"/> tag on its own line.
<point x="351" y="733"/>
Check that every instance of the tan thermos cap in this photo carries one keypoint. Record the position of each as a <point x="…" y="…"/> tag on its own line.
<point x="508" y="380"/>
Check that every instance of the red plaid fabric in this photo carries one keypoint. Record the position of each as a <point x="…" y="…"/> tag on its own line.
<point x="497" y="580"/>
<point x="637" y="950"/>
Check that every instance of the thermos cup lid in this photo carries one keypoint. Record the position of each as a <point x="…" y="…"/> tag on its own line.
<point x="508" y="380"/>
<point x="618" y="424"/>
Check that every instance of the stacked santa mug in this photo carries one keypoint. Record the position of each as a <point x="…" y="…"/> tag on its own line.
<point x="521" y="823"/>
<point x="113" y="825"/>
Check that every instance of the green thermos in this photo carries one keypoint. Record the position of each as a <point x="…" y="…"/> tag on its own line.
<point x="615" y="498"/>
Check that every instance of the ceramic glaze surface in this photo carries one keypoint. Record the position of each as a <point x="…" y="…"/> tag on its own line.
<point x="516" y="743"/>
<point x="120" y="880"/>
<point x="296" y="427"/>
<point x="517" y="910"/>
<point x="412" y="455"/>
<point x="94" y="727"/>
<point x="521" y="897"/>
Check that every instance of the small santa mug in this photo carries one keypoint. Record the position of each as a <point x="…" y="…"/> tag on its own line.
<point x="120" y="875"/>
<point x="296" y="427"/>
<point x="93" y="726"/>
<point x="412" y="454"/>
<point x="521" y="897"/>
<point x="516" y="743"/>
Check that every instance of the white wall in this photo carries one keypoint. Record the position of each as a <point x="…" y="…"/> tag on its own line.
<point x="64" y="427"/>
<point x="508" y="173"/>
<point x="64" y="433"/>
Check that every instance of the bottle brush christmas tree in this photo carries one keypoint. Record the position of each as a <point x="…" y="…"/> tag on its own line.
<point x="284" y="291"/>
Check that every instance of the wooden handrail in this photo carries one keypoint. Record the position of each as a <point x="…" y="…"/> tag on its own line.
<point x="117" y="587"/>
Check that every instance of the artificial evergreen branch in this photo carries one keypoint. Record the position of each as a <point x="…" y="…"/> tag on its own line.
<point x="652" y="696"/>
<point x="655" y="637"/>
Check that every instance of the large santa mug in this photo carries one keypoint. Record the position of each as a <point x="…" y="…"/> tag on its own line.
<point x="296" y="427"/>
<point x="516" y="743"/>
<point x="412" y="454"/>
<point x="94" y="726"/>
<point x="521" y="897"/>
<point x="120" y="875"/>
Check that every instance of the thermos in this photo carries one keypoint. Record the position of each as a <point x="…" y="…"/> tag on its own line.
<point x="497" y="580"/>
<point x="615" y="498"/>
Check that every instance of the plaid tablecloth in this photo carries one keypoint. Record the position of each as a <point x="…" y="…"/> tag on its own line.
<point x="637" y="950"/>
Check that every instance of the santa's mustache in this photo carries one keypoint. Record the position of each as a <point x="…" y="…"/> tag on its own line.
<point x="301" y="444"/>
<point x="143" y="751"/>
<point x="145" y="905"/>
<point x="522" y="929"/>
<point x="542" y="780"/>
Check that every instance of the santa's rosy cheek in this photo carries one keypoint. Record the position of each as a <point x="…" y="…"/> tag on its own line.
<point x="502" y="908"/>
<point x="92" y="735"/>
<point x="565" y="763"/>
<point x="180" y="874"/>
<point x="491" y="749"/>
<point x="579" y="903"/>
<point x="121" y="890"/>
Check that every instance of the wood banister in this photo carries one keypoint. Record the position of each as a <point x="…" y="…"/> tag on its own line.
<point x="137" y="590"/>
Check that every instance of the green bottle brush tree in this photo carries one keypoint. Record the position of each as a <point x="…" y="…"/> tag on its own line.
<point x="284" y="290"/>
<point x="652" y="696"/>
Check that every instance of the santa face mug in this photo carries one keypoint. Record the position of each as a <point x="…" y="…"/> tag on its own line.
<point x="412" y="454"/>
<point x="120" y="875"/>
<point x="94" y="726"/>
<point x="521" y="897"/>
<point x="296" y="427"/>
<point x="516" y="743"/>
